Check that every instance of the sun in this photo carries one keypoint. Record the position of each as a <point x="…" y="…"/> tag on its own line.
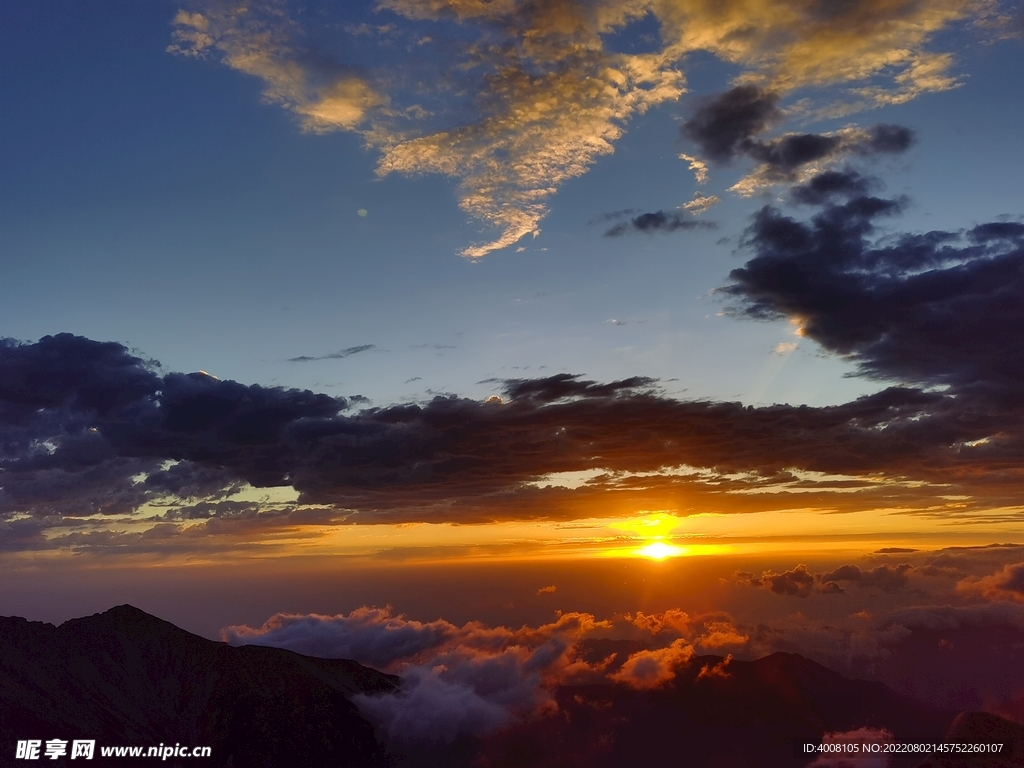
<point x="659" y="550"/>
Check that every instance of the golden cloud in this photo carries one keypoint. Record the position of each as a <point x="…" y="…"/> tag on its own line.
<point x="260" y="44"/>
<point x="546" y="97"/>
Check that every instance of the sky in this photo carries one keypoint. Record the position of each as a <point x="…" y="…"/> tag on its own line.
<point x="324" y="324"/>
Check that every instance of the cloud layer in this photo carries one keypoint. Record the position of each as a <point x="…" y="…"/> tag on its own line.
<point x="475" y="678"/>
<point x="91" y="430"/>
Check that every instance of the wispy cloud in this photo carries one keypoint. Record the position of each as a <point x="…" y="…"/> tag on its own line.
<point x="341" y="354"/>
<point x="542" y="97"/>
<point x="700" y="203"/>
<point x="262" y="41"/>
<point x="659" y="221"/>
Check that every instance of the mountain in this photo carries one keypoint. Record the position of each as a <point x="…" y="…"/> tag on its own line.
<point x="726" y="714"/>
<point x="983" y="728"/>
<point x="124" y="677"/>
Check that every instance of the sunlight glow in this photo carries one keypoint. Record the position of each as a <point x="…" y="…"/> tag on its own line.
<point x="659" y="550"/>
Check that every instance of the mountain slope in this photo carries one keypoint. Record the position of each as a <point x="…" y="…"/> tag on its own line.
<point x="736" y="714"/>
<point x="124" y="677"/>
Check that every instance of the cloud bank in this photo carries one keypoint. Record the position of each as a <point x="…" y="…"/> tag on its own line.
<point x="476" y="679"/>
<point x="90" y="430"/>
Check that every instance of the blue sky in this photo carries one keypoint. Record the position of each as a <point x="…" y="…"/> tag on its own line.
<point x="154" y="200"/>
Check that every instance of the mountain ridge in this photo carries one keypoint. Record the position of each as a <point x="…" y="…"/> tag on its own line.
<point x="126" y="677"/>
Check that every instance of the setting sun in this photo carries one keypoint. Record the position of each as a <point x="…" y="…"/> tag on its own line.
<point x="659" y="550"/>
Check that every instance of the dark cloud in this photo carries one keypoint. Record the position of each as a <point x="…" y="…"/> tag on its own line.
<point x="788" y="153"/>
<point x="831" y="588"/>
<point x="563" y="386"/>
<point x="827" y="186"/>
<point x="886" y="138"/>
<point x="784" y="159"/>
<point x="726" y="127"/>
<point x="723" y="126"/>
<point x="941" y="308"/>
<point x="339" y="355"/>
<point x="66" y="371"/>
<point x="798" y="582"/>
<point x="883" y="577"/>
<point x="659" y="221"/>
<point x="449" y="458"/>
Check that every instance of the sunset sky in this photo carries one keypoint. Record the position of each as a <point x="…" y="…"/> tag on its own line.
<point x="491" y="310"/>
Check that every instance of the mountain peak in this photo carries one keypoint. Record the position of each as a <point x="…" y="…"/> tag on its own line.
<point x="124" y="676"/>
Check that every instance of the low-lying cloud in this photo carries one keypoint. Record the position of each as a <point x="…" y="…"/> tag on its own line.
<point x="801" y="582"/>
<point x="475" y="679"/>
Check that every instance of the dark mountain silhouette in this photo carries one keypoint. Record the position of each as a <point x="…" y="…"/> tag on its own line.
<point x="124" y="677"/>
<point x="740" y="714"/>
<point x="983" y="728"/>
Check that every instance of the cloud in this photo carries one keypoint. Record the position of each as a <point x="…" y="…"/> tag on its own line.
<point x="827" y="186"/>
<point x="659" y="221"/>
<point x="554" y="104"/>
<point x="104" y="433"/>
<point x="475" y="678"/>
<point x="547" y="590"/>
<point x="652" y="669"/>
<point x="934" y="309"/>
<point x="259" y="40"/>
<point x="783" y="156"/>
<point x="371" y="636"/>
<point x="432" y="709"/>
<point x="472" y="679"/>
<point x="719" y="670"/>
<point x="513" y="99"/>
<point x="339" y="355"/>
<point x="699" y="168"/>
<point x="725" y="128"/>
<point x="883" y="577"/>
<point x="700" y="203"/>
<point x="801" y="157"/>
<point x="953" y="618"/>
<point x="798" y="582"/>
<point x="1006" y="584"/>
<point x="856" y="737"/>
